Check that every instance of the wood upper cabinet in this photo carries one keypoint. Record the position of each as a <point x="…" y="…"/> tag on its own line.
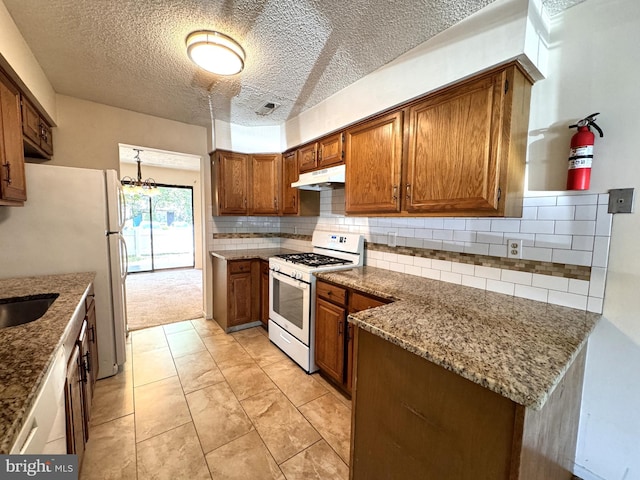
<point x="232" y="183"/>
<point x="373" y="161"/>
<point x="36" y="131"/>
<point x="307" y="160"/>
<point x="265" y="184"/>
<point x="330" y="151"/>
<point x="13" y="187"/>
<point x="290" y="195"/>
<point x="458" y="154"/>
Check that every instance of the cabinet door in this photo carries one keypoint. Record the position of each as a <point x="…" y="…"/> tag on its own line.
<point x="86" y="376"/>
<point x="307" y="157"/>
<point x="373" y="159"/>
<point x="30" y="122"/>
<point x="329" y="343"/>
<point x="93" y="340"/>
<point x="264" y="292"/>
<point x="74" y="406"/>
<point x="290" y="195"/>
<point x="330" y="150"/>
<point x="454" y="148"/>
<point x="13" y="185"/>
<point x="265" y="184"/>
<point x="239" y="299"/>
<point x="46" y="140"/>
<point x="233" y="183"/>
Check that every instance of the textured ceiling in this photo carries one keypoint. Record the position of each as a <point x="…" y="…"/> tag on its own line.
<point x="131" y="53"/>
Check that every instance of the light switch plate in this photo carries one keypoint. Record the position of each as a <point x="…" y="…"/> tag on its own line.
<point x="621" y="200"/>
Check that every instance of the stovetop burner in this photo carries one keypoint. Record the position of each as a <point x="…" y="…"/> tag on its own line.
<point x="313" y="259"/>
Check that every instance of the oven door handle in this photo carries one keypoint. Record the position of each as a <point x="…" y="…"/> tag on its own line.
<point x="289" y="280"/>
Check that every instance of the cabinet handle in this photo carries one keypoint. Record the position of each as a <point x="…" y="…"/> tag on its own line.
<point x="87" y="363"/>
<point x="320" y="155"/>
<point x="92" y="332"/>
<point x="275" y="202"/>
<point x="8" y="167"/>
<point x="340" y="328"/>
<point x="350" y="332"/>
<point x="294" y="201"/>
<point x="245" y="202"/>
<point x="408" y="191"/>
<point x="395" y="192"/>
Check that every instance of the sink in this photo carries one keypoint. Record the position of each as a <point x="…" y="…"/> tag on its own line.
<point x="19" y="310"/>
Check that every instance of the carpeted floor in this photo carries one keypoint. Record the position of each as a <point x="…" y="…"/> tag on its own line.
<point x="163" y="297"/>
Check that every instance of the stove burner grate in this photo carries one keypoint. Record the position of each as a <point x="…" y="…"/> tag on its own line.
<point x="313" y="259"/>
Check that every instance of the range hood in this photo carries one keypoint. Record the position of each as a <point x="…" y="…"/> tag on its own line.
<point x="321" y="179"/>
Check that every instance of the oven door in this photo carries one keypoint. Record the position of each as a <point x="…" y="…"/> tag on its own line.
<point x="290" y="305"/>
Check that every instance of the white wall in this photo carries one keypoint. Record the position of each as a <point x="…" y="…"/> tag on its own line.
<point x="240" y="138"/>
<point x="19" y="57"/>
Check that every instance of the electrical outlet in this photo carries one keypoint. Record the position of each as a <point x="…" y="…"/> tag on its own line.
<point x="391" y="239"/>
<point x="514" y="248"/>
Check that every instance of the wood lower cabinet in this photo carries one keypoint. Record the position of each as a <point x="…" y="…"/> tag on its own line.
<point x="91" y="319"/>
<point x="333" y="334"/>
<point x="264" y="293"/>
<point x="236" y="293"/>
<point x="87" y="376"/>
<point x="438" y="424"/>
<point x="373" y="163"/>
<point x="13" y="186"/>
<point x="74" y="406"/>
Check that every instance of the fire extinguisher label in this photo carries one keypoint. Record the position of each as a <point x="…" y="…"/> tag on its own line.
<point x="579" y="163"/>
<point x="586" y="151"/>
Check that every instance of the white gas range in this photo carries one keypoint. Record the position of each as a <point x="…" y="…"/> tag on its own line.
<point x="292" y="291"/>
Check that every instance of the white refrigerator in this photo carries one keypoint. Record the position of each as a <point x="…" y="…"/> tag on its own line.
<point x="71" y="222"/>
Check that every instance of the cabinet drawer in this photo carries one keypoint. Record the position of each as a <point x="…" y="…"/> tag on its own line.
<point x="331" y="292"/>
<point x="241" y="266"/>
<point x="359" y="302"/>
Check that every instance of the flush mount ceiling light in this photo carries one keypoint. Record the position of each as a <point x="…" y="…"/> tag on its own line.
<point x="215" y="52"/>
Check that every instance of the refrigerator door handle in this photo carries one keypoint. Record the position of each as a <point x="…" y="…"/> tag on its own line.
<point x="123" y="207"/>
<point x="124" y="258"/>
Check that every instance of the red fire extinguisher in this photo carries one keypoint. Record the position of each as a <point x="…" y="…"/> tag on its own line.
<point x="581" y="153"/>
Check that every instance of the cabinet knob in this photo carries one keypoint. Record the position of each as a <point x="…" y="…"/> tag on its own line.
<point x="408" y="191"/>
<point x="8" y="167"/>
<point x="394" y="195"/>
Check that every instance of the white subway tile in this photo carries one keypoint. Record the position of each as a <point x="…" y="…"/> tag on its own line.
<point x="374" y="254"/>
<point x="476" y="248"/>
<point x="529" y="213"/>
<point x="539" y="254"/>
<point x="582" y="242"/>
<point x="430" y="273"/>
<point x="505" y="225"/>
<point x="500" y="287"/>
<point x="528" y="239"/>
<point x="422" y="262"/>
<point x="575" y="227"/>
<point x="556" y="213"/>
<point x="539" y="201"/>
<point x="490" y="237"/>
<point x="571" y="257"/>
<point x="454" y="223"/>
<point x="601" y="252"/>
<point x="451" y="277"/>
<point x="498" y="250"/>
<point x="390" y="257"/>
<point x="597" y="282"/>
<point x="443" y="234"/>
<point x="603" y="199"/>
<point x="406" y="232"/>
<point x="452" y="246"/>
<point x="532" y="293"/>
<point x="478" y="225"/>
<point x="550" y="282"/>
<point x="594" y="305"/>
<point x="415" y="242"/>
<point x="405" y="259"/>
<point x="383" y="264"/>
<point x="487" y="272"/>
<point x="441" y="265"/>
<point x="396" y="267"/>
<point x="590" y="199"/>
<point x="423" y="233"/>
<point x="464" y="236"/>
<point x="514" y="276"/>
<point x="437" y="223"/>
<point x="433" y="244"/>
<point x="537" y="226"/>
<point x="553" y="241"/>
<point x="463" y="268"/>
<point x="604" y="221"/>
<point x="412" y="270"/>
<point x="567" y="299"/>
<point x="581" y="287"/>
<point x="371" y="262"/>
<point x="475" y="282"/>
<point x="586" y="212"/>
<point x="415" y="222"/>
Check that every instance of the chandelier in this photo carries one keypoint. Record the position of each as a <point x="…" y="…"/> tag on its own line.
<point x="146" y="187"/>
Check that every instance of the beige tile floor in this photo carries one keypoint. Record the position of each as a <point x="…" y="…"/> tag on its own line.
<point x="196" y="403"/>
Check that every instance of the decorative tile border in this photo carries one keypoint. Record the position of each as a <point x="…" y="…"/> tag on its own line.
<point x="293" y="236"/>
<point x="531" y="266"/>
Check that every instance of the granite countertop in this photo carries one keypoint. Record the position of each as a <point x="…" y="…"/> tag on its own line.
<point x="516" y="347"/>
<point x="261" y="253"/>
<point x="27" y="351"/>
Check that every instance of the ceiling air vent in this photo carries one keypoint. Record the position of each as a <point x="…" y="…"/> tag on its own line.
<point x="267" y="108"/>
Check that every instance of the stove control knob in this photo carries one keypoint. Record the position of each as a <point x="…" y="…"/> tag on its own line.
<point x="276" y="268"/>
<point x="297" y="275"/>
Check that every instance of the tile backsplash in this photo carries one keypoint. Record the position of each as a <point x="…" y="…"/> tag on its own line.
<point x="565" y="245"/>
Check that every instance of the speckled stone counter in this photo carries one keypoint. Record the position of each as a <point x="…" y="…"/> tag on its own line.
<point x="515" y="347"/>
<point x="261" y="253"/>
<point x="26" y="351"/>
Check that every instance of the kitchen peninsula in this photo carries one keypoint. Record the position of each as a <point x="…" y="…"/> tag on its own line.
<point x="454" y="382"/>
